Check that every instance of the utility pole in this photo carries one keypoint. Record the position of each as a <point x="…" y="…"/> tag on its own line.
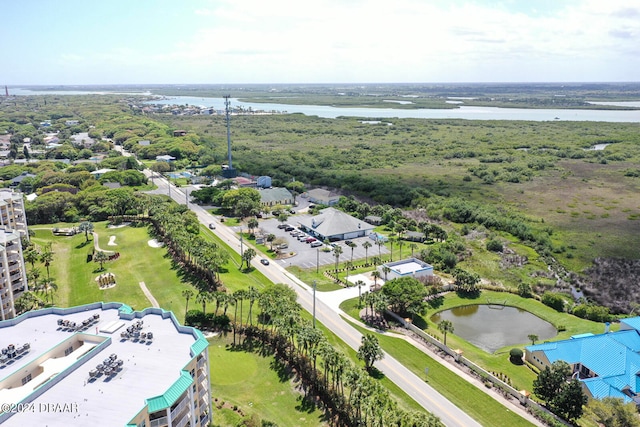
<point x="314" y="304"/>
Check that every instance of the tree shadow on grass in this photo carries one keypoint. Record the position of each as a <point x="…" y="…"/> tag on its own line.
<point x="83" y="244"/>
<point x="375" y="373"/>
<point x="283" y="371"/>
<point x="306" y="405"/>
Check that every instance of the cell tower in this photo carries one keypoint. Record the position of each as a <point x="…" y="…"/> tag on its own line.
<point x="229" y="172"/>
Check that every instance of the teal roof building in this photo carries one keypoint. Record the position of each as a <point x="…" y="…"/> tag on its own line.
<point x="607" y="365"/>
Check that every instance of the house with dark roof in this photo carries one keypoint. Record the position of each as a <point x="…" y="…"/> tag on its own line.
<point x="607" y="365"/>
<point x="334" y="225"/>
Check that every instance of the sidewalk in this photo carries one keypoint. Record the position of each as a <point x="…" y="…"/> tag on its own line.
<point x="333" y="299"/>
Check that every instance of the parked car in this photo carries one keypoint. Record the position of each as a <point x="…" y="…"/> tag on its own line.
<point x="302" y="237"/>
<point x="289" y="228"/>
<point x="311" y="239"/>
<point x="348" y="242"/>
<point x="316" y="244"/>
<point x="264" y="261"/>
<point x="281" y="226"/>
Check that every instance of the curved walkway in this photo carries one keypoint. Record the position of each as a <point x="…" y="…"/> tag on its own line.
<point x="96" y="245"/>
<point x="149" y="295"/>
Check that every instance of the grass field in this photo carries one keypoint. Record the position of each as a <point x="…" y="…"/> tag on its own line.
<point x="256" y="385"/>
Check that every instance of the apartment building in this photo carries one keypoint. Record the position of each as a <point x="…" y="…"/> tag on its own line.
<point x="13" y="276"/>
<point x="103" y="364"/>
<point x="12" y="214"/>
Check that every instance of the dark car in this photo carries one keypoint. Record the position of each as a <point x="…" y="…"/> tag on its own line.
<point x="264" y="261"/>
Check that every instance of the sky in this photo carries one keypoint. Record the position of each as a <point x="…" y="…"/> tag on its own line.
<point x="80" y="42"/>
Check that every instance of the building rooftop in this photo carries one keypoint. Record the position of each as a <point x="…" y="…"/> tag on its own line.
<point x="150" y="369"/>
<point x="613" y="356"/>
<point x="331" y="222"/>
<point x="274" y="195"/>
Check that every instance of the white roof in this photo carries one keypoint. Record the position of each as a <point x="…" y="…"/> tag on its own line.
<point x="149" y="369"/>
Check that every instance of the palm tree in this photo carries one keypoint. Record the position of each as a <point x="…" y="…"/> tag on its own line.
<point x="270" y="238"/>
<point x="376" y="275"/>
<point x="337" y="251"/>
<point x="366" y="245"/>
<point x="31" y="256"/>
<point x="187" y="294"/>
<point x="413" y="247"/>
<point x="348" y="266"/>
<point x="352" y="245"/>
<point x="86" y="227"/>
<point x="247" y="256"/>
<point x="392" y="240"/>
<point x="252" y="295"/>
<point x="203" y="298"/>
<point x="252" y="224"/>
<point x="400" y="244"/>
<point x="100" y="257"/>
<point x="445" y="326"/>
<point x="359" y="284"/>
<point x="386" y="270"/>
<point x="49" y="287"/>
<point x="46" y="257"/>
<point x="370" y="351"/>
<point x="380" y="244"/>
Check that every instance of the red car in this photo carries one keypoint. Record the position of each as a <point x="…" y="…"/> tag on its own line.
<point x="311" y="239"/>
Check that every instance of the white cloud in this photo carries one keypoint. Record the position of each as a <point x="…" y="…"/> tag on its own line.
<point x="375" y="40"/>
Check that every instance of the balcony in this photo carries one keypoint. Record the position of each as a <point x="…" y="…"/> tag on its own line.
<point x="160" y="422"/>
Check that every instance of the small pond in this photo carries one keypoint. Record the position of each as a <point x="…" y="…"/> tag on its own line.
<point x="491" y="327"/>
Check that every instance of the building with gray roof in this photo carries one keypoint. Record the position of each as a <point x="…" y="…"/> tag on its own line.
<point x="334" y="225"/>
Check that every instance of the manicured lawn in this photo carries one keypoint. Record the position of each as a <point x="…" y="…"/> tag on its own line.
<point x="482" y="407"/>
<point x="138" y="262"/>
<point x="521" y="376"/>
<point x="249" y="380"/>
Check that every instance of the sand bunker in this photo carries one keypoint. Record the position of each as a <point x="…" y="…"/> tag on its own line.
<point x="155" y="244"/>
<point x="112" y="241"/>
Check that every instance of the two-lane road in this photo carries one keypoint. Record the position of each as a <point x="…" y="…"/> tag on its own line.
<point x="413" y="385"/>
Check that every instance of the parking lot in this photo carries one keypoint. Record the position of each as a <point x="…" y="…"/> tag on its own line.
<point x="309" y="257"/>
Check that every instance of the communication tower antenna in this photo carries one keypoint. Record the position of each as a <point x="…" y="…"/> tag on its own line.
<point x="227" y="105"/>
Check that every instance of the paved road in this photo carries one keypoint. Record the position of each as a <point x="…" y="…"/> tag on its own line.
<point x="413" y="385"/>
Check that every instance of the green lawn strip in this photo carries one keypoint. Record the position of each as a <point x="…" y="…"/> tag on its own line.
<point x="482" y="407"/>
<point x="521" y="376"/>
<point x="249" y="380"/>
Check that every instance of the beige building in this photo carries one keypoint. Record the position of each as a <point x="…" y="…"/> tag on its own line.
<point x="103" y="364"/>
<point x="13" y="275"/>
<point x="12" y="215"/>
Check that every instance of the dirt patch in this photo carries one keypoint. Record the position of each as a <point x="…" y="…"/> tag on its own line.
<point x="612" y="283"/>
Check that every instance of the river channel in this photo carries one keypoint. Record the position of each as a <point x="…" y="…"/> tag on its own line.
<point x="324" y="111"/>
<point x="464" y="112"/>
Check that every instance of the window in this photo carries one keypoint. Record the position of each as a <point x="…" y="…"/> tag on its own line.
<point x="68" y="351"/>
<point x="26" y="379"/>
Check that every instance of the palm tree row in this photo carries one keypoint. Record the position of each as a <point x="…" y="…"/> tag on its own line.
<point x="351" y="396"/>
<point x="179" y="230"/>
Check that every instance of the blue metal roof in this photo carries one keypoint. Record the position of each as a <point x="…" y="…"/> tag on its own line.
<point x="632" y="322"/>
<point x="614" y="357"/>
